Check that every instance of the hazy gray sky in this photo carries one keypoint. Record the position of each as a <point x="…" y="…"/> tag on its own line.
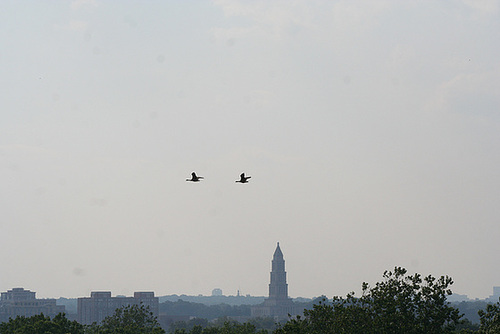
<point x="371" y="130"/>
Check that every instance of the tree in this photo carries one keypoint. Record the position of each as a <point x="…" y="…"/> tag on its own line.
<point x="400" y="303"/>
<point x="41" y="324"/>
<point x="490" y="319"/>
<point x="131" y="319"/>
<point x="229" y="327"/>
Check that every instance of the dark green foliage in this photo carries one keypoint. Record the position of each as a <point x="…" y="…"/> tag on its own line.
<point x="199" y="325"/>
<point x="40" y="324"/>
<point x="411" y="302"/>
<point x="265" y="323"/>
<point x="398" y="304"/>
<point x="490" y="319"/>
<point x="466" y="326"/>
<point x="131" y="319"/>
<point x="227" y="328"/>
<point x="188" y="325"/>
<point x="470" y="309"/>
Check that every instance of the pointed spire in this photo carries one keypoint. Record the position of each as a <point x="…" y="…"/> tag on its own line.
<point x="277" y="252"/>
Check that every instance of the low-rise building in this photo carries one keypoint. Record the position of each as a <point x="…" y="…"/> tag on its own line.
<point x="495" y="297"/>
<point x="20" y="302"/>
<point x="100" y="305"/>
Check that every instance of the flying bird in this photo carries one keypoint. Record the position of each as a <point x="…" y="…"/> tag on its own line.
<point x="194" y="177"/>
<point x="243" y="178"/>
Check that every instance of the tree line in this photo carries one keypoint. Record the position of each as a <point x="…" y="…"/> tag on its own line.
<point x="211" y="312"/>
<point x="131" y="319"/>
<point x="400" y="303"/>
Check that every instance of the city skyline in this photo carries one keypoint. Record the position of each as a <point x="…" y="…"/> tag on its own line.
<point x="370" y="129"/>
<point x="492" y="298"/>
<point x="278" y="287"/>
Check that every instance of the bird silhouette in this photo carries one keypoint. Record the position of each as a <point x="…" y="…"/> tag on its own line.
<point x="243" y="178"/>
<point x="194" y="177"/>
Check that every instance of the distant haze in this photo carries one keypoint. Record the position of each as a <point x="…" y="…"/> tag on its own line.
<point x="371" y="131"/>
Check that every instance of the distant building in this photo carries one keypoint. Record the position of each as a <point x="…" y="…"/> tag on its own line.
<point x="100" y="305"/>
<point x="216" y="292"/>
<point x="278" y="305"/>
<point x="496" y="295"/>
<point x="456" y="298"/>
<point x="20" y="302"/>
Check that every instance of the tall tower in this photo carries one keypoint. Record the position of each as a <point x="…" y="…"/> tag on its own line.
<point x="278" y="288"/>
<point x="278" y="305"/>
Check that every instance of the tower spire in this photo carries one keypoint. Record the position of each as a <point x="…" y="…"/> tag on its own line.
<point x="277" y="253"/>
<point x="278" y="304"/>
<point x="278" y="288"/>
